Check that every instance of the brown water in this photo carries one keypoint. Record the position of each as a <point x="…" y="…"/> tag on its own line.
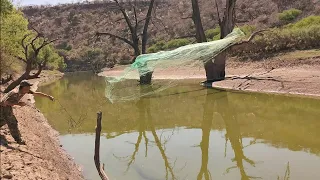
<point x="187" y="132"/>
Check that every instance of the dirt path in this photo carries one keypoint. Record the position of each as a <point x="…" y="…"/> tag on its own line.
<point x="41" y="157"/>
<point x="288" y="74"/>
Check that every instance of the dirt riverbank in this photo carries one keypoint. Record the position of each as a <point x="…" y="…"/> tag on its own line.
<point x="41" y="157"/>
<point x="288" y="73"/>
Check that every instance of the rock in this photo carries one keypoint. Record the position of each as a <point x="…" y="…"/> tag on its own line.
<point x="28" y="163"/>
<point x="8" y="176"/>
<point x="8" y="168"/>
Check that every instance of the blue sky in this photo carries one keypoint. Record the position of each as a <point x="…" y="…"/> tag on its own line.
<point x="42" y="2"/>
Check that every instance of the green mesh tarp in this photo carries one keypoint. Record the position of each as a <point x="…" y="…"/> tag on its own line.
<point x="126" y="87"/>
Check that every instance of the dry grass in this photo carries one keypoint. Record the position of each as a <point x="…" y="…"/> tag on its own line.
<point x="304" y="54"/>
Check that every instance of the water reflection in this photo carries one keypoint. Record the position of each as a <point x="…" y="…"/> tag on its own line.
<point x="188" y="132"/>
<point x="145" y="123"/>
<point x="233" y="134"/>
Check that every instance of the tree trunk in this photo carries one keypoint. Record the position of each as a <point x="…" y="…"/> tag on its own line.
<point x="228" y="21"/>
<point x="200" y="35"/>
<point x="24" y="76"/>
<point x="36" y="75"/>
<point x="215" y="71"/>
<point x="16" y="82"/>
<point x="136" y="47"/>
<point x="145" y="28"/>
<point x="146" y="78"/>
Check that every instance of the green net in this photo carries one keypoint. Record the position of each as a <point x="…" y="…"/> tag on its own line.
<point x="182" y="63"/>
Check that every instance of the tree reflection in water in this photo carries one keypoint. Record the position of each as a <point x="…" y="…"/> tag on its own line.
<point x="218" y="105"/>
<point x="145" y="123"/>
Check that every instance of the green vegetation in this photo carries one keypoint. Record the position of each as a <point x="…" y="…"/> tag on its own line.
<point x="77" y="23"/>
<point x="304" y="34"/>
<point x="53" y="59"/>
<point x="14" y="27"/>
<point x="175" y="43"/>
<point x="289" y="15"/>
<point x="214" y="34"/>
<point x="305" y="22"/>
<point x="211" y="33"/>
<point x="172" y="44"/>
<point x="159" y="46"/>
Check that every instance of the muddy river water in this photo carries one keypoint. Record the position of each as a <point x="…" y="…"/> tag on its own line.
<point x="187" y="132"/>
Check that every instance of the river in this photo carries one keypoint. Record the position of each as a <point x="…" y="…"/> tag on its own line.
<point x="186" y="132"/>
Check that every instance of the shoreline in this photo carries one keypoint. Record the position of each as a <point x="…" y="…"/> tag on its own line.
<point x="298" y="77"/>
<point x="42" y="157"/>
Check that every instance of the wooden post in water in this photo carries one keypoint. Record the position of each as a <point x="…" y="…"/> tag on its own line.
<point x="99" y="167"/>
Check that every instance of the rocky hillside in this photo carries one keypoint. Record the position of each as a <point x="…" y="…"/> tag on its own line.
<point x="76" y="24"/>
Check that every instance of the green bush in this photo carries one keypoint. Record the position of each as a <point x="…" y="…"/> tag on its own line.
<point x="172" y="44"/>
<point x="175" y="43"/>
<point x="305" y="22"/>
<point x="159" y="46"/>
<point x="289" y="15"/>
<point x="282" y="39"/>
<point x="247" y="29"/>
<point x="210" y="33"/>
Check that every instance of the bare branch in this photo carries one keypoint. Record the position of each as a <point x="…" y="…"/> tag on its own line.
<point x="145" y="28"/>
<point x="125" y="15"/>
<point x="45" y="43"/>
<point x="38" y="33"/>
<point x="99" y="167"/>
<point x="142" y="20"/>
<point x="25" y="47"/>
<point x="115" y="36"/>
<point x="135" y="17"/>
<point x="219" y="19"/>
<point x="33" y="41"/>
<point x="120" y="19"/>
<point x="253" y="35"/>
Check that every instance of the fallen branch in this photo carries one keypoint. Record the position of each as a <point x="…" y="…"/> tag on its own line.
<point x="99" y="167"/>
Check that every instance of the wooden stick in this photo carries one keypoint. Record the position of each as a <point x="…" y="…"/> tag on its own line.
<point x="99" y="167"/>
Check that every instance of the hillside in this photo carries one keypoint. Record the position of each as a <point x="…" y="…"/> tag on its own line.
<point x="76" y="25"/>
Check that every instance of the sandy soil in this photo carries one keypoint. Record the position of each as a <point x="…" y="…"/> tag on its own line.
<point x="41" y="157"/>
<point x="299" y="76"/>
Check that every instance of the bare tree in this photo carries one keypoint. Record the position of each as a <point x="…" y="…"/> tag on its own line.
<point x="215" y="70"/>
<point x="134" y="41"/>
<point x="200" y="35"/>
<point x="31" y="57"/>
